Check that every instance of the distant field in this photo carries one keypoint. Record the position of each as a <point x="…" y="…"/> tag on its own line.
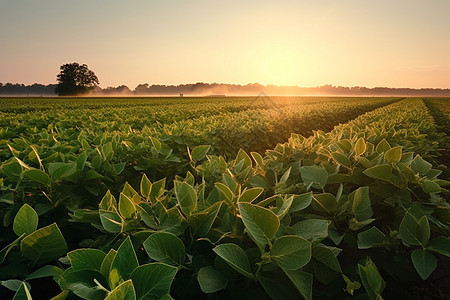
<point x="190" y="198"/>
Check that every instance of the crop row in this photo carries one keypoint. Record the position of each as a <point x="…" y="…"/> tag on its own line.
<point x="352" y="212"/>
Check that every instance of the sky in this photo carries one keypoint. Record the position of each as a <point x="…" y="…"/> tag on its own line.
<point x="402" y="43"/>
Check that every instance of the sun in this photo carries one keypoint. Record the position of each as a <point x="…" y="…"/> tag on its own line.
<point x="280" y="69"/>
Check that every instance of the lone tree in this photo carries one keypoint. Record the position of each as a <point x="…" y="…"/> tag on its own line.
<point x="75" y="79"/>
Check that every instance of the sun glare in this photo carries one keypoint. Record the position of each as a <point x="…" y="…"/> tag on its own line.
<point x="281" y="69"/>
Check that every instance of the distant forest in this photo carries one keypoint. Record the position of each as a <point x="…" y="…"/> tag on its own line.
<point x="209" y="89"/>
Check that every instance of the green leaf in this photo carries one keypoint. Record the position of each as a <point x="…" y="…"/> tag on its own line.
<point x="124" y="262"/>
<point x="186" y="196"/>
<point x="257" y="158"/>
<point x="371" y="279"/>
<point x="153" y="281"/>
<point x="125" y="291"/>
<point x="383" y="172"/>
<point x="315" y="176"/>
<point x="285" y="176"/>
<point x="429" y="186"/>
<point x="146" y="214"/>
<point x="326" y="256"/>
<point x="261" y="223"/>
<point x="441" y="245"/>
<point x="60" y="170"/>
<point x="26" y="220"/>
<point x="301" y="202"/>
<point x="146" y="187"/>
<point x="23" y="293"/>
<point x="126" y="206"/>
<point x="202" y="222"/>
<point x="361" y="204"/>
<point x="225" y="191"/>
<point x="44" y="245"/>
<point x="86" y="259"/>
<point x="210" y="280"/>
<point x="421" y="166"/>
<point x="302" y="281"/>
<point x="341" y="159"/>
<point x="382" y="146"/>
<point x="83" y="283"/>
<point x="424" y="262"/>
<point x="13" y="284"/>
<point x="314" y="230"/>
<point x="199" y="152"/>
<point x="108" y="202"/>
<point x="105" y="267"/>
<point x="5" y="251"/>
<point x="165" y="247"/>
<point x="360" y="147"/>
<point x="251" y="194"/>
<point x="393" y="154"/>
<point x="277" y="286"/>
<point x="352" y="286"/>
<point x="291" y="252"/>
<point x="325" y="202"/>
<point x="158" y="189"/>
<point x="370" y="238"/>
<point x="235" y="257"/>
<point x="46" y="271"/>
<point x="38" y="176"/>
<point x="111" y="221"/>
<point x="413" y="232"/>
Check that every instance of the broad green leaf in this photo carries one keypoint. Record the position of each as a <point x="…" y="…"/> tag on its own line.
<point x="86" y="259"/>
<point x="314" y="230"/>
<point x="105" y="267"/>
<point x="413" y="232"/>
<point x="325" y="202"/>
<point x="124" y="262"/>
<point x="371" y="279"/>
<point x="153" y="281"/>
<point x="26" y="220"/>
<point x="186" y="196"/>
<point x="46" y="271"/>
<point x="165" y="247"/>
<point x="326" y="256"/>
<point x="315" y="176"/>
<point x="108" y="202"/>
<point x="243" y="156"/>
<point x="291" y="252"/>
<point x="38" y="176"/>
<point x="421" y="166"/>
<point x="424" y="262"/>
<point x="83" y="283"/>
<point x="156" y="143"/>
<point x="23" y="293"/>
<point x="285" y="176"/>
<point x="383" y="172"/>
<point x="131" y="193"/>
<point x="360" y="147"/>
<point x="429" y="186"/>
<point x="277" y="285"/>
<point x="361" y="204"/>
<point x="225" y="191"/>
<point x="146" y="214"/>
<point x="13" y="284"/>
<point x="146" y="187"/>
<point x="302" y="281"/>
<point x="111" y="221"/>
<point x="341" y="159"/>
<point x="124" y="291"/>
<point x="199" y="152"/>
<point x="202" y="222"/>
<point x="44" y="245"/>
<point x="59" y="170"/>
<point x="441" y="245"/>
<point x="393" y="154"/>
<point x="126" y="206"/>
<point x="210" y="280"/>
<point x="301" y="202"/>
<point x="251" y="194"/>
<point x="81" y="160"/>
<point x="382" y="146"/>
<point x="235" y="257"/>
<point x="158" y="188"/>
<point x="261" y="223"/>
<point x="371" y="238"/>
<point x="258" y="158"/>
<point x="284" y="209"/>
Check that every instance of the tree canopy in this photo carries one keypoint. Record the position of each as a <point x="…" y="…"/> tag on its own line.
<point x="75" y="79"/>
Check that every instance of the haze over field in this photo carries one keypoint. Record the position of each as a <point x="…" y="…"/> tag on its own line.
<point x="303" y="43"/>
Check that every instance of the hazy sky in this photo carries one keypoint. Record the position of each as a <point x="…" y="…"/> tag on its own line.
<point x="404" y="43"/>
